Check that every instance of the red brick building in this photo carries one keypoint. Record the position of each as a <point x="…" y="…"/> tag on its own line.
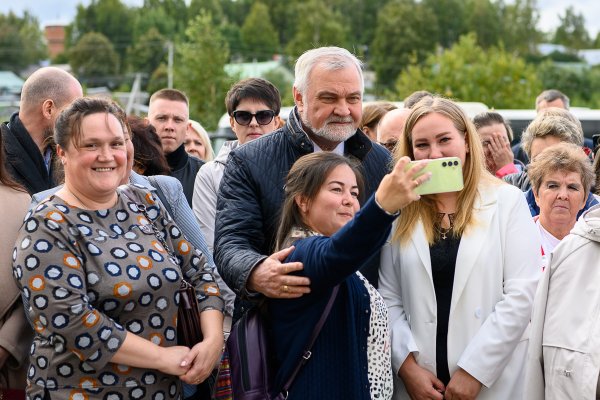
<point x="55" y="37"/>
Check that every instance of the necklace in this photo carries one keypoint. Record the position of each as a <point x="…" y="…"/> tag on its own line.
<point x="85" y="206"/>
<point x="443" y="232"/>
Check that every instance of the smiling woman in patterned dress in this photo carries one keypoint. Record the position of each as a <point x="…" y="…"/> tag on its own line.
<point x="100" y="287"/>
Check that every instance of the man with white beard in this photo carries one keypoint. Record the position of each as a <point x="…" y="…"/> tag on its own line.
<point x="328" y="90"/>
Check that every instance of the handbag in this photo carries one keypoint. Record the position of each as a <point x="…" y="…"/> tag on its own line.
<point x="188" y="316"/>
<point x="189" y="332"/>
<point x="251" y="368"/>
<point x="12" y="394"/>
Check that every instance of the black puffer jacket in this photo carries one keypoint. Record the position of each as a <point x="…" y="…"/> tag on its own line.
<point x="251" y="195"/>
<point x="23" y="160"/>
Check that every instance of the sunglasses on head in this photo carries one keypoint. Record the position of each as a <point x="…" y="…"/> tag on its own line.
<point x="263" y="117"/>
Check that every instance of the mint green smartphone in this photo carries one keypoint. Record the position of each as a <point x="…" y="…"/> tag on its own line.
<point x="446" y="176"/>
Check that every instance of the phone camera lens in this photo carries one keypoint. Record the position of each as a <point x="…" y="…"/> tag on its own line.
<point x="455" y="163"/>
<point x="444" y="164"/>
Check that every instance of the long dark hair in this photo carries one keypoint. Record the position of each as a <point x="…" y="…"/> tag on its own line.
<point x="147" y="148"/>
<point x="305" y="178"/>
<point x="5" y="178"/>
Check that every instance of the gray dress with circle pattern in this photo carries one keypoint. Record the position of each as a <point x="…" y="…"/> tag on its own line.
<point x="90" y="276"/>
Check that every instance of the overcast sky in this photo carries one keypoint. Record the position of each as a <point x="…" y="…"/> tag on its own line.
<point x="63" y="11"/>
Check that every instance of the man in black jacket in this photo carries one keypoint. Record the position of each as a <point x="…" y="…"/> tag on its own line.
<point x="28" y="142"/>
<point x="328" y="92"/>
<point x="168" y="112"/>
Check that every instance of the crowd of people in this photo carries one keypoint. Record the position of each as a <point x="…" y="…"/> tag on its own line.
<point x="488" y="292"/>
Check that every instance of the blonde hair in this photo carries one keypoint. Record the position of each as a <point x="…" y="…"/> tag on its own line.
<point x="209" y="154"/>
<point x="373" y="112"/>
<point x="474" y="171"/>
<point x="553" y="122"/>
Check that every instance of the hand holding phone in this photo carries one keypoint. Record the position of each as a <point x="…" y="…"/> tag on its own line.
<point x="446" y="176"/>
<point x="396" y="189"/>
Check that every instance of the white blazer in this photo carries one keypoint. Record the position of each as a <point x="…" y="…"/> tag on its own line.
<point x="497" y="269"/>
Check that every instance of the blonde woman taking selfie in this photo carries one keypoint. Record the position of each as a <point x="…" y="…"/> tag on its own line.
<point x="459" y="273"/>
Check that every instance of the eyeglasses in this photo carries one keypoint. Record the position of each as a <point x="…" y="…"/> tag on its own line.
<point x="263" y="117"/>
<point x="390" y="144"/>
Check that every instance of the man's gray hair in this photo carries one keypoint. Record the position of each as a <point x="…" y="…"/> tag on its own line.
<point x="543" y="125"/>
<point x="551" y="95"/>
<point x="330" y="58"/>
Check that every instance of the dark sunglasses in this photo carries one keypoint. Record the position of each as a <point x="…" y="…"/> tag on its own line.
<point x="263" y="117"/>
<point x="390" y="145"/>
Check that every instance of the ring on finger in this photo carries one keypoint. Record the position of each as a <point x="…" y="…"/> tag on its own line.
<point x="285" y="288"/>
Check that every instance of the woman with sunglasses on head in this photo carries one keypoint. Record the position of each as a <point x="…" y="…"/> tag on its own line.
<point x="459" y="272"/>
<point x="253" y="105"/>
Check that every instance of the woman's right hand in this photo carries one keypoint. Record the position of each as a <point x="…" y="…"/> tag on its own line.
<point x="420" y="383"/>
<point x="172" y="360"/>
<point x="397" y="189"/>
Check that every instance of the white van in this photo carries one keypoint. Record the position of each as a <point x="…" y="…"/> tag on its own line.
<point x="519" y="119"/>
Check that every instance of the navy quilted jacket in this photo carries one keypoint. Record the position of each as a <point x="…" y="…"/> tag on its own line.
<point x="251" y="195"/>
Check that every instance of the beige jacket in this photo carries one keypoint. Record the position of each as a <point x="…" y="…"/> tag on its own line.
<point x="564" y="355"/>
<point x="15" y="332"/>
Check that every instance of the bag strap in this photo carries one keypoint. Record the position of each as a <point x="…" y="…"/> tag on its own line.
<point x="161" y="194"/>
<point x="127" y="192"/>
<point x="313" y="337"/>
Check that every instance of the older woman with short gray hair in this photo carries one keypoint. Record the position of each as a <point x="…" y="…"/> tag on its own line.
<point x="561" y="178"/>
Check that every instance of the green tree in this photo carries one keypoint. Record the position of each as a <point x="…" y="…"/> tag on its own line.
<point x="484" y="19"/>
<point x="323" y="28"/>
<point x="213" y="7"/>
<point x="154" y="18"/>
<point x="451" y="16"/>
<point x="258" y="35"/>
<point x="159" y="79"/>
<point x="21" y="42"/>
<point x="227" y="16"/>
<point x="199" y="70"/>
<point x="519" y="27"/>
<point x="360" y="17"/>
<point x="111" y="18"/>
<point x="176" y="15"/>
<point x="571" y="32"/>
<point x="467" y="72"/>
<point x="284" y="16"/>
<point x="405" y="30"/>
<point x="232" y="35"/>
<point x="148" y="52"/>
<point x="581" y="85"/>
<point x="283" y="84"/>
<point x="93" y="59"/>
